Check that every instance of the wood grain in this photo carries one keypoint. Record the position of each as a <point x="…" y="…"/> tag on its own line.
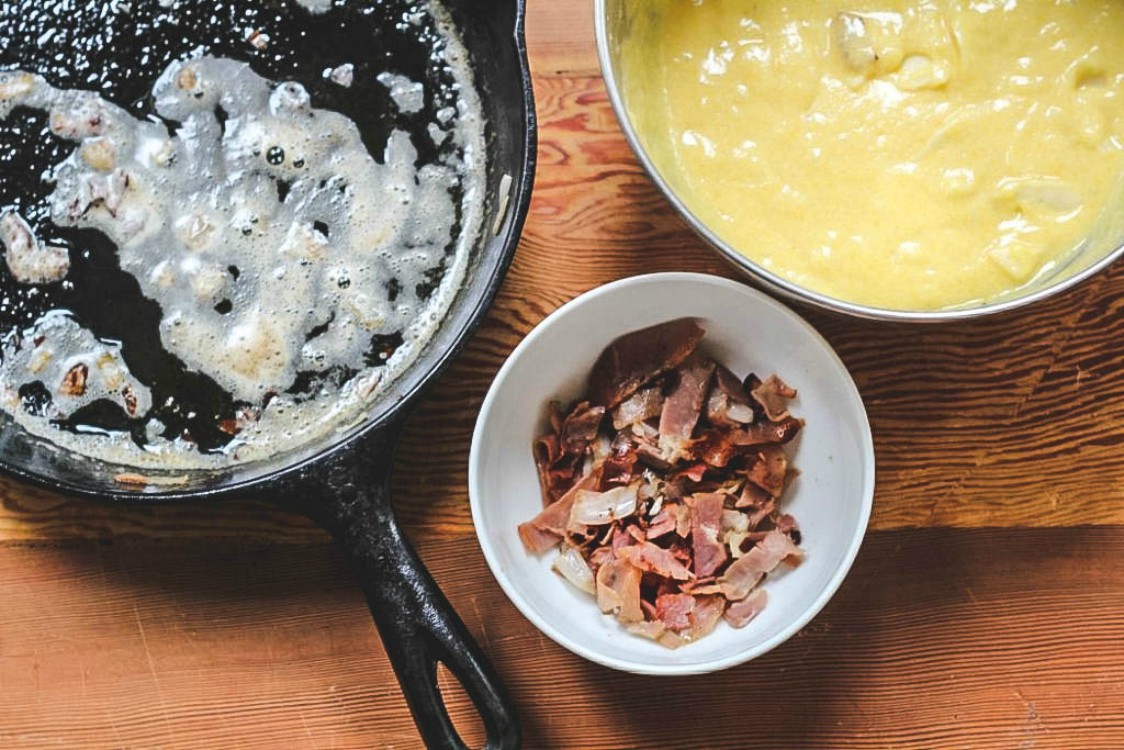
<point x="986" y="609"/>
<point x="561" y="37"/>
<point x="938" y="639"/>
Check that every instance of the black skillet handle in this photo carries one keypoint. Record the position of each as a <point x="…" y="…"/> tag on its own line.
<point x="349" y="495"/>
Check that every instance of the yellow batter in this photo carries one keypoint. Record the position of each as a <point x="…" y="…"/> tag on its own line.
<point x="908" y="155"/>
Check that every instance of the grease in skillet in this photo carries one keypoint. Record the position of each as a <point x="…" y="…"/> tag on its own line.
<point x="247" y="267"/>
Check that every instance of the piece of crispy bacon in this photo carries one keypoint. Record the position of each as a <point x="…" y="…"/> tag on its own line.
<point x="665" y="484"/>
<point x="618" y="590"/>
<point x="773" y="395"/>
<point x="633" y="359"/>
<point x="652" y="559"/>
<point x="706" y="519"/>
<point x="639" y="407"/>
<point x="553" y="520"/>
<point x="740" y="613"/>
<point x="683" y="406"/>
<point x="579" y="427"/>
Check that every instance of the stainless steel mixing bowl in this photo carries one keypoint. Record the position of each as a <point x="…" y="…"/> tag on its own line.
<point x="615" y="20"/>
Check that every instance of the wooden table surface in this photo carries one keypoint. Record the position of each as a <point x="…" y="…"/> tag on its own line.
<point x="986" y="609"/>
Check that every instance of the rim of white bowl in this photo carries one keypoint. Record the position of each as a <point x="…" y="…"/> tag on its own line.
<point x="629" y="665"/>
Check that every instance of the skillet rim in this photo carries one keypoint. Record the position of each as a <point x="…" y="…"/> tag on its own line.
<point x="481" y="291"/>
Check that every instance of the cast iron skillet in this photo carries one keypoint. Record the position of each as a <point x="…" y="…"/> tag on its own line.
<point x="341" y="481"/>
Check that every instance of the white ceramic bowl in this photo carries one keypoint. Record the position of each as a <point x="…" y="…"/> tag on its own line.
<point x="745" y="330"/>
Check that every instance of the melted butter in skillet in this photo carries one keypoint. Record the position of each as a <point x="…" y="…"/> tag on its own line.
<point x="283" y="256"/>
<point x="263" y="227"/>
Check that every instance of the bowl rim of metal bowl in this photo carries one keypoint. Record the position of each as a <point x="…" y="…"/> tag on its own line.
<point x="782" y="286"/>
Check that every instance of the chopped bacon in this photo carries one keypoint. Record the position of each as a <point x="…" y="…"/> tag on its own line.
<point x="600" y="556"/>
<point x="673" y="527"/>
<point x="773" y="395"/>
<point x="618" y="590"/>
<point x="721" y="446"/>
<point x="552" y="520"/>
<point x="682" y="521"/>
<point x="545" y="450"/>
<point x="715" y="448"/>
<point x="662" y="523"/>
<point x="648" y="628"/>
<point x="651" y="456"/>
<point x="673" y="490"/>
<point x="620" y="465"/>
<point x="748" y="570"/>
<point x="556" y="416"/>
<point x="591" y="508"/>
<point x="648" y="557"/>
<point x="708" y="508"/>
<point x="694" y="472"/>
<point x="675" y="610"/>
<point x="682" y="407"/>
<point x="762" y="433"/>
<point x="708" y="611"/>
<point x="769" y="471"/>
<point x="641" y="406"/>
<point x="786" y="524"/>
<point x="703" y="587"/>
<point x="635" y="358"/>
<point x="680" y="551"/>
<point x="580" y="427"/>
<point x="555" y="518"/>
<point x="535" y="539"/>
<point x="560" y="455"/>
<point x="729" y="402"/>
<point x="753" y="497"/>
<point x="735" y="540"/>
<point x="621" y="539"/>
<point x="740" y="613"/>
<point x="706" y="518"/>
<point x="762" y="513"/>
<point x="749" y="385"/>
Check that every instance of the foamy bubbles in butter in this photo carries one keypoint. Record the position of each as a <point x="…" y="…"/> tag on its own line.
<point x="273" y="241"/>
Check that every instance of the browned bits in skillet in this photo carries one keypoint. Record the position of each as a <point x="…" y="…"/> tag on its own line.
<point x="74" y="382"/>
<point x="129" y="478"/>
<point x="186" y="79"/>
<point x="662" y="488"/>
<point x="133" y="479"/>
<point x="130" y="400"/>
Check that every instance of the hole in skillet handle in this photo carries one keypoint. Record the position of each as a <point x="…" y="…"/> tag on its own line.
<point x="467" y="722"/>
<point x="348" y="494"/>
